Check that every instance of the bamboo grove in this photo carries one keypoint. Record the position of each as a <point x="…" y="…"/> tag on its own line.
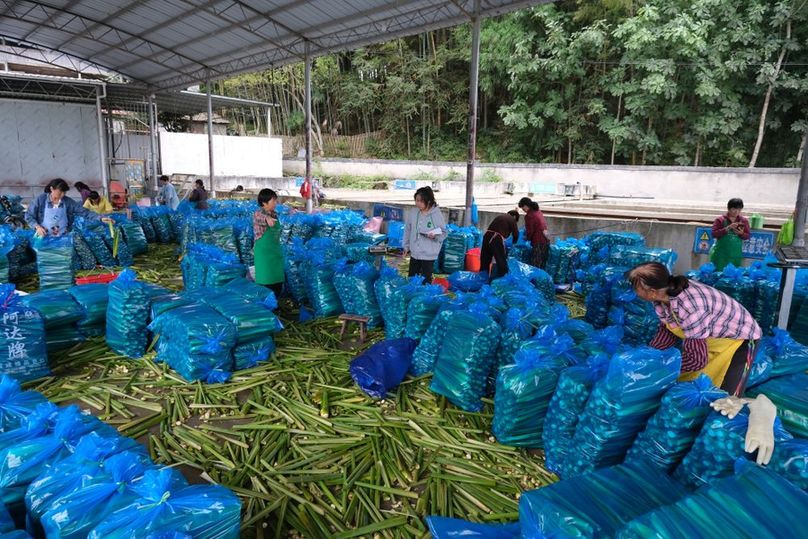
<point x="653" y="82"/>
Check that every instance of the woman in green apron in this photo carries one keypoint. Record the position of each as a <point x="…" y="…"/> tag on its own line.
<point x="729" y="232"/>
<point x="267" y="249"/>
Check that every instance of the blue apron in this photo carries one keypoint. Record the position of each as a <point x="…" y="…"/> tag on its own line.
<point x="55" y="219"/>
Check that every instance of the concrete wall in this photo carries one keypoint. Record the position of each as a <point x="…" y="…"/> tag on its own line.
<point x="756" y="186"/>
<point x="187" y="153"/>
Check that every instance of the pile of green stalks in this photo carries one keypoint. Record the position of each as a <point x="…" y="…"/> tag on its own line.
<point x="309" y="454"/>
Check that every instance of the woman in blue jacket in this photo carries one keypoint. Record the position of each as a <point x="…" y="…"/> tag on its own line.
<point x="52" y="213"/>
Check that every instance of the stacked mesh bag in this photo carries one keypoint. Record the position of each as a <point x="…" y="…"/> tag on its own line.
<point x="127" y="315"/>
<point x="563" y="258"/>
<point x="754" y="502"/>
<point x="320" y="289"/>
<point x="83" y="257"/>
<point x="790" y="394"/>
<point x="66" y="474"/>
<point x="719" y="444"/>
<point x="736" y="284"/>
<point x="767" y="297"/>
<point x="637" y="316"/>
<point x="599" y="299"/>
<point x="22" y="258"/>
<point x="54" y="259"/>
<point x="457" y="243"/>
<point x="295" y="269"/>
<point x="245" y="239"/>
<point x="706" y="274"/>
<point x="60" y="313"/>
<point x="93" y="235"/>
<point x="790" y="460"/>
<point x="422" y="308"/>
<point x="197" y="342"/>
<point x="524" y="390"/>
<point x="671" y="431"/>
<point x="133" y="236"/>
<point x="93" y="300"/>
<point x="206" y="265"/>
<point x="601" y="244"/>
<point x="6" y="246"/>
<point x="596" y="504"/>
<point x="619" y="407"/>
<point x="255" y="325"/>
<point x="354" y="284"/>
<point x="778" y="355"/>
<point x="630" y="256"/>
<point x="465" y="359"/>
<point x="393" y="294"/>
<point x="23" y="352"/>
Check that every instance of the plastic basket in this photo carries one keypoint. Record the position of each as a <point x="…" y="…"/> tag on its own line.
<point x="104" y="278"/>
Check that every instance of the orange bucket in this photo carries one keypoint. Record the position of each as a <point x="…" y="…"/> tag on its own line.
<point x="473" y="259"/>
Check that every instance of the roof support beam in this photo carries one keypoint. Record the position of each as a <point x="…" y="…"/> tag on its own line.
<point x="307" y="83"/>
<point x="210" y="139"/>
<point x="474" y="73"/>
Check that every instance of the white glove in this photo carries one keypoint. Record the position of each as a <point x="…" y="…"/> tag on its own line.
<point x="760" y="433"/>
<point x="729" y="406"/>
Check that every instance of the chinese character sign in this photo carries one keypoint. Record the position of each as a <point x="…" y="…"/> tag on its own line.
<point x="23" y="353"/>
<point x="758" y="245"/>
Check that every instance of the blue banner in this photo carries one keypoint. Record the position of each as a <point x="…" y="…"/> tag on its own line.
<point x="405" y="184"/>
<point x="388" y="212"/>
<point x="758" y="245"/>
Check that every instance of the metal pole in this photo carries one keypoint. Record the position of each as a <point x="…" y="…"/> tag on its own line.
<point x="474" y="68"/>
<point x="802" y="204"/>
<point x="210" y="138"/>
<point x="152" y="152"/>
<point x="307" y="83"/>
<point x="269" y="121"/>
<point x="101" y="138"/>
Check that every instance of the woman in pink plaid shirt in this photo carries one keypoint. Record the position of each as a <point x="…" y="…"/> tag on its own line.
<point x="718" y="335"/>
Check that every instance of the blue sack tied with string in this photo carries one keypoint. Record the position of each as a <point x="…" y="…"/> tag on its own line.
<point x="354" y="284"/>
<point x="620" y="405"/>
<point x="671" y="431"/>
<point x="455" y="528"/>
<point x="54" y="259"/>
<point x="204" y="512"/>
<point x="425" y="354"/>
<point x="422" y="308"/>
<point x="23" y="352"/>
<point x="380" y="368"/>
<point x="16" y="404"/>
<point x="250" y="354"/>
<point x="787" y="356"/>
<point x="128" y="315"/>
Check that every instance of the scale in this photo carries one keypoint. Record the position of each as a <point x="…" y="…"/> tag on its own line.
<point x="791" y="258"/>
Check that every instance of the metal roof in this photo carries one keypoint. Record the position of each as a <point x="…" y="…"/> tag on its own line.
<point x="172" y="44"/>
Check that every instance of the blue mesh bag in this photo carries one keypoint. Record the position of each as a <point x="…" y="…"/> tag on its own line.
<point x="74" y="514"/>
<point x="62" y="338"/>
<point x="83" y="257"/>
<point x="358" y="252"/>
<point x="93" y="299"/>
<point x="465" y="359"/>
<point x="393" y="294"/>
<point x="736" y="284"/>
<point x="16" y="404"/>
<point x="467" y="281"/>
<point x="23" y="353"/>
<point x="248" y="290"/>
<point x="321" y="290"/>
<point x="620" y="405"/>
<point x="574" y="386"/>
<point x="637" y="316"/>
<point x="132" y="234"/>
<point x="250" y="354"/>
<point x="719" y="444"/>
<point x="221" y="273"/>
<point x="786" y="355"/>
<point x="295" y="270"/>
<point x="166" y="302"/>
<point x="354" y="285"/>
<point x="755" y="502"/>
<point x="523" y="393"/>
<point x="455" y="528"/>
<point x="457" y="243"/>
<point x="671" y="431"/>
<point x="426" y="353"/>
<point x="57" y="307"/>
<point x="422" y="308"/>
<point x="251" y="319"/>
<point x="790" y="459"/>
<point x="204" y="512"/>
<point x="54" y="259"/>
<point x="596" y="504"/>
<point x="197" y="342"/>
<point x="630" y="256"/>
<point x="128" y="315"/>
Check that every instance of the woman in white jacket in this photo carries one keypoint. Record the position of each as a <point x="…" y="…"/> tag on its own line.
<point x="424" y="233"/>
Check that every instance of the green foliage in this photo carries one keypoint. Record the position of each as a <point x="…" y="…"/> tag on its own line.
<point x="578" y="81"/>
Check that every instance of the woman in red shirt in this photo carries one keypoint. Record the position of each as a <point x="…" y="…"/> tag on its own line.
<point x="536" y="231"/>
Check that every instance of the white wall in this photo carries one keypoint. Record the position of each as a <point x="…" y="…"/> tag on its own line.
<point x="759" y="186"/>
<point x="187" y="153"/>
<point x="42" y="140"/>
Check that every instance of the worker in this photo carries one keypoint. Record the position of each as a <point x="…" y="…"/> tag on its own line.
<point x="83" y="190"/>
<point x="424" y="233"/>
<point x="536" y="232"/>
<point x="718" y="335"/>
<point x="53" y="212"/>
<point x="267" y="247"/>
<point x="199" y="196"/>
<point x="494" y="243"/>
<point x="98" y="204"/>
<point x="729" y="231"/>
<point x="167" y="195"/>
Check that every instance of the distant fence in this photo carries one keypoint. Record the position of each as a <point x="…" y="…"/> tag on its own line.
<point x="350" y="146"/>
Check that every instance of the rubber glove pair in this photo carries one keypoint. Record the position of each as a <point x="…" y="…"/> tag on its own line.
<point x="760" y="432"/>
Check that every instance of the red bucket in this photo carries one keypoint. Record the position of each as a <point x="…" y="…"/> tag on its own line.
<point x="473" y="259"/>
<point x="441" y="281"/>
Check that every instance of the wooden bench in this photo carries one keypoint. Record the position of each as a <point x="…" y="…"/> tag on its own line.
<point x="361" y="320"/>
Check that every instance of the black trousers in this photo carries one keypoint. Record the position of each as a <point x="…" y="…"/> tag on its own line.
<point x="493" y="248"/>
<point x="421" y="267"/>
<point x="738" y="371"/>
